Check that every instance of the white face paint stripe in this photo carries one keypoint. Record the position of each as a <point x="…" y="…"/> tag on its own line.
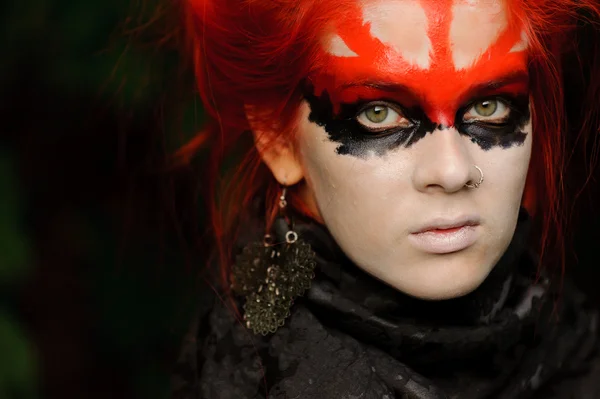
<point x="401" y="25"/>
<point x="522" y="45"/>
<point x="336" y="46"/>
<point x="476" y="26"/>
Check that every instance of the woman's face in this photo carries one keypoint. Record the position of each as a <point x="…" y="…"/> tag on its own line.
<point x="409" y="97"/>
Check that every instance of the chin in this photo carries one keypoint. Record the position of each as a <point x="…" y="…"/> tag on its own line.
<point x="444" y="277"/>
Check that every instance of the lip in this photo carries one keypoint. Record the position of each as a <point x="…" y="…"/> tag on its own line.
<point x="444" y="224"/>
<point x="443" y="236"/>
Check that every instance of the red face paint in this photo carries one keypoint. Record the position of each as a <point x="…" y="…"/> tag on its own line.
<point x="439" y="90"/>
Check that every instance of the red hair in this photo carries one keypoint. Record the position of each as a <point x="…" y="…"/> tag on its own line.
<point x="258" y="52"/>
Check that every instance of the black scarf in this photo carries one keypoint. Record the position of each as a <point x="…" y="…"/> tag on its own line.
<point x="354" y="336"/>
<point x="505" y="339"/>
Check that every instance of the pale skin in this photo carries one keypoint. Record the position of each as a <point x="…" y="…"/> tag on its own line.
<point x="375" y="183"/>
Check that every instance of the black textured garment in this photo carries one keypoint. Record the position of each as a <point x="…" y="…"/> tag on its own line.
<point x="352" y="336"/>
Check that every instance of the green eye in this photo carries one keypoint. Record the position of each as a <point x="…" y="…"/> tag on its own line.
<point x="381" y="117"/>
<point x="486" y="108"/>
<point x="377" y="114"/>
<point x="492" y="111"/>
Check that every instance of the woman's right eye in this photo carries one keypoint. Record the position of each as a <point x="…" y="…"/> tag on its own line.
<point x="382" y="117"/>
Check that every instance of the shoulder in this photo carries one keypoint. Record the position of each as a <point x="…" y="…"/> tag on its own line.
<point x="583" y="383"/>
<point x="579" y="373"/>
<point x="224" y="360"/>
<point x="315" y="362"/>
<point x="218" y="357"/>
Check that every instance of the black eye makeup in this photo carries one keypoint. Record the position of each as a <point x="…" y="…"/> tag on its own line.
<point x="379" y="126"/>
<point x="368" y="127"/>
<point x="495" y="121"/>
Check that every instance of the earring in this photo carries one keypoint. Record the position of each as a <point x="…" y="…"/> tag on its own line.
<point x="272" y="273"/>
<point x="476" y="185"/>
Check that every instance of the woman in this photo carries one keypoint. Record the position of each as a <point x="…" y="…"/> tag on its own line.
<point x="374" y="242"/>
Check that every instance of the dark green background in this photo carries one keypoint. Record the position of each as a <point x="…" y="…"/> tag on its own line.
<point x="101" y="244"/>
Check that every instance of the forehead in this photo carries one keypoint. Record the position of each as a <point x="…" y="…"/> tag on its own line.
<point x="438" y="48"/>
<point x="418" y="30"/>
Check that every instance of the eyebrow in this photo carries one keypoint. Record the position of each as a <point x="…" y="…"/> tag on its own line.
<point x="516" y="77"/>
<point x="380" y="85"/>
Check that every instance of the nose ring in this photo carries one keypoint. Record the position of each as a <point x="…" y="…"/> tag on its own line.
<point x="476" y="185"/>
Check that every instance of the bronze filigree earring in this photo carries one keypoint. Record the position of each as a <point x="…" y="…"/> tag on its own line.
<point x="272" y="273"/>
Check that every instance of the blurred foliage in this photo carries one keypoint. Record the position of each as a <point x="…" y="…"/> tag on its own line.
<point x="13" y="246"/>
<point x="125" y="51"/>
<point x="17" y="367"/>
<point x="97" y="284"/>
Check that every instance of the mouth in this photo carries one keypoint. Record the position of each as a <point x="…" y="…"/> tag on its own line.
<point x="444" y="237"/>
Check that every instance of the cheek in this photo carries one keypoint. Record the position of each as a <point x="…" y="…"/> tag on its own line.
<point x="346" y="186"/>
<point x="508" y="167"/>
<point x="505" y="171"/>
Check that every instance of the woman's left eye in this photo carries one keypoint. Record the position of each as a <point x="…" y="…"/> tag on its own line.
<point x="382" y="117"/>
<point x="492" y="110"/>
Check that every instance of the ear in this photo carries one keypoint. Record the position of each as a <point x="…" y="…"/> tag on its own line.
<point x="276" y="150"/>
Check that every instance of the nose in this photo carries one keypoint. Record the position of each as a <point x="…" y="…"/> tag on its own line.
<point x="444" y="163"/>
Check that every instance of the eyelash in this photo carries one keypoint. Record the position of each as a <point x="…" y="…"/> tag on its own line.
<point x="504" y="100"/>
<point x="364" y="106"/>
<point x="387" y="104"/>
